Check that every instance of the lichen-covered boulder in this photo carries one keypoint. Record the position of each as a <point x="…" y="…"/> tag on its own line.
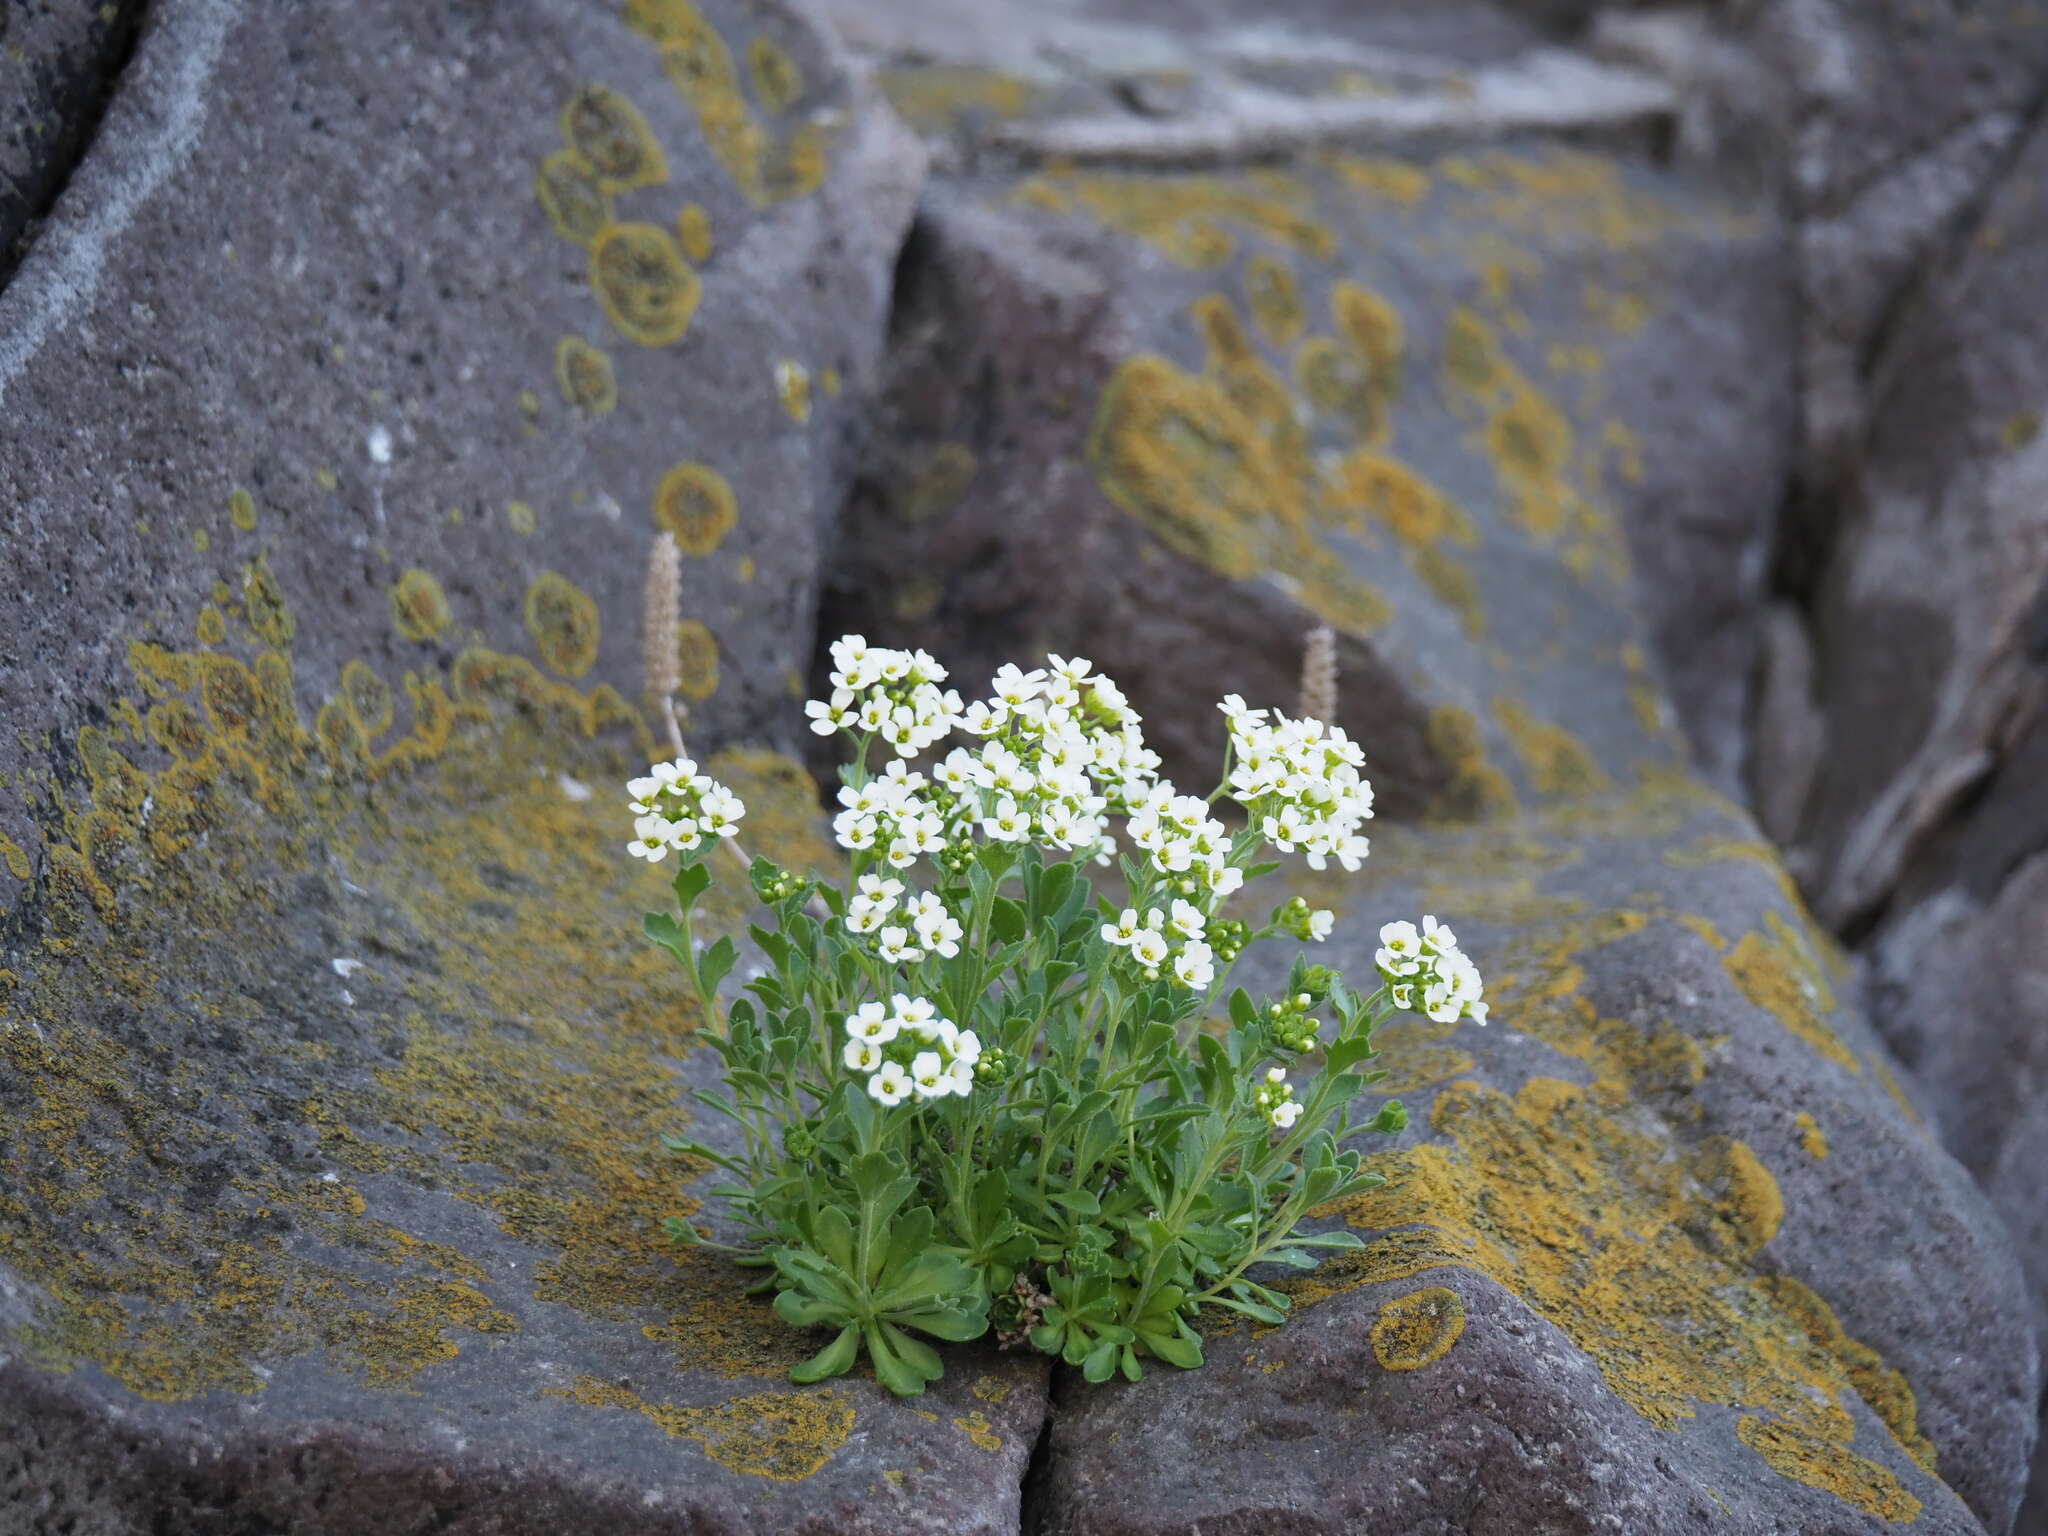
<point x="1664" y="1246"/>
<point x="1664" y="1243"/>
<point x="344" y="392"/>
<point x="58" y="60"/>
<point x="1173" y="417"/>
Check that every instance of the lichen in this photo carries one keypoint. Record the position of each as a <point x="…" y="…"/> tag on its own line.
<point x="1775" y="971"/>
<point x="940" y="480"/>
<point x="563" y="623"/>
<point x="793" y="389"/>
<point x="584" y="376"/>
<point x="572" y="196"/>
<point x="242" y="509"/>
<point x="1418" y="1329"/>
<point x="695" y="503"/>
<point x="1274" y="299"/>
<point x="979" y="1431"/>
<point x="1185" y="217"/>
<point x="647" y="291"/>
<point x="778" y="83"/>
<point x="1811" y="1137"/>
<point x="1557" y="763"/>
<point x="693" y="231"/>
<point x="935" y="97"/>
<point x="785" y="1436"/>
<point x="419" y="608"/>
<point x="610" y="136"/>
<point x="696" y="660"/>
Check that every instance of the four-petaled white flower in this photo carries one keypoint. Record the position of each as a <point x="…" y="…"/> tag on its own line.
<point x="890" y="1085"/>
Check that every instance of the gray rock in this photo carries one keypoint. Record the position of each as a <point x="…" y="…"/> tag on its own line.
<point x="1663" y="1245"/>
<point x="58" y="59"/>
<point x="332" y="1067"/>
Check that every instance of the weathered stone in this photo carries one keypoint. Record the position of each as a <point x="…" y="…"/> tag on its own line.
<point x="57" y="63"/>
<point x="1701" y="1261"/>
<point x="344" y="391"/>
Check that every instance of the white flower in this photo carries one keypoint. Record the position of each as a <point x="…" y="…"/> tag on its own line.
<point x="1276" y="1074"/>
<point x="829" y="715"/>
<point x="928" y="1076"/>
<point x="1285" y="1114"/>
<point x="1187" y="921"/>
<point x="871" y="1022"/>
<point x="1222" y="879"/>
<point x="1006" y="824"/>
<point x="912" y="1012"/>
<point x="1148" y="948"/>
<point x="1320" y="921"/>
<point x="893" y="945"/>
<point x="966" y="1048"/>
<point x="1194" y="967"/>
<point x="1436" y="937"/>
<point x="1237" y="714"/>
<point x="960" y="1077"/>
<point x="1123" y="930"/>
<point x="861" y="1055"/>
<point x="890" y="1085"/>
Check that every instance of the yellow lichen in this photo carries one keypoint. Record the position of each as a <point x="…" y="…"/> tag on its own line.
<point x="1184" y="217"/>
<point x="695" y="503"/>
<point x="1394" y="180"/>
<point x="763" y="168"/>
<point x="519" y="517"/>
<point x="211" y="628"/>
<point x="786" y="1436"/>
<point x="777" y="80"/>
<point x="419" y="608"/>
<point x="693" y="231"/>
<point x="1274" y="299"/>
<point x="977" y="1428"/>
<point x="563" y="622"/>
<point x="1811" y="1136"/>
<point x="696" y="660"/>
<point x="1475" y="789"/>
<point x="1775" y="971"/>
<point x="1557" y="763"/>
<point x="1418" y="1329"/>
<point x="648" y="292"/>
<point x="610" y="136"/>
<point x="17" y="862"/>
<point x="935" y="97"/>
<point x="793" y="389"/>
<point x="584" y="375"/>
<point x="571" y="195"/>
<point x="242" y="509"/>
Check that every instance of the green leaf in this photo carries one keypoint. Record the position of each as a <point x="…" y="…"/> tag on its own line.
<point x="890" y="1369"/>
<point x="1053" y="888"/>
<point x="668" y="933"/>
<point x="1174" y="1349"/>
<point x="835" y="1359"/>
<point x="1100" y="1363"/>
<point x="1244" y="1013"/>
<point x="1006" y="921"/>
<point x="692" y="881"/>
<point x="680" y="1231"/>
<point x="718" y="960"/>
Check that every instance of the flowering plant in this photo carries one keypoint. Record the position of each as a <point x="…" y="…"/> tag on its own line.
<point x="969" y="1091"/>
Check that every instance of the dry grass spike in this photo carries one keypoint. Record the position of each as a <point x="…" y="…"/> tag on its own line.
<point x="661" y="614"/>
<point x="1319" y="676"/>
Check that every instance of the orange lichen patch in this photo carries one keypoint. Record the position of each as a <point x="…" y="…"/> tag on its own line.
<point x="1530" y="443"/>
<point x="1777" y="972"/>
<point x="764" y="169"/>
<point x="1884" y="1390"/>
<point x="584" y="376"/>
<point x="563" y="622"/>
<point x="1823" y="1460"/>
<point x="793" y="389"/>
<point x="978" y="1430"/>
<point x="935" y="97"/>
<point x="1394" y="180"/>
<point x="940" y="480"/>
<point x="419" y="608"/>
<point x="242" y="509"/>
<point x="1475" y="789"/>
<point x="778" y="83"/>
<point x="693" y="231"/>
<point x="572" y="196"/>
<point x="611" y="137"/>
<point x="1811" y="1137"/>
<point x="1274" y="299"/>
<point x="695" y="503"/>
<point x="696" y="660"/>
<point x="1216" y="466"/>
<point x="1558" y="764"/>
<point x="1418" y="1329"/>
<point x="648" y="292"/>
<point x="786" y="1436"/>
<point x="1185" y="217"/>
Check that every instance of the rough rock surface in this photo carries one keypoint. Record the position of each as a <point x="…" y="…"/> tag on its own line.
<point x="58" y="59"/>
<point x="1926" y="824"/>
<point x="343" y="393"/>
<point x="1493" y="413"/>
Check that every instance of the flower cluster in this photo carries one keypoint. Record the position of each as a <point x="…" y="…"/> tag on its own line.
<point x="676" y="809"/>
<point x="1163" y="936"/>
<point x="909" y="1051"/>
<point x="1274" y="1098"/>
<point x="894" y="695"/>
<point x="1427" y="972"/>
<point x="1299" y="781"/>
<point x="890" y="813"/>
<point x="1186" y="842"/>
<point x="904" y="929"/>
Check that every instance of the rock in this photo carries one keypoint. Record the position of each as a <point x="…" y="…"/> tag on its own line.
<point x="1663" y="1245"/>
<point x="344" y="391"/>
<point x="57" y="63"/>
